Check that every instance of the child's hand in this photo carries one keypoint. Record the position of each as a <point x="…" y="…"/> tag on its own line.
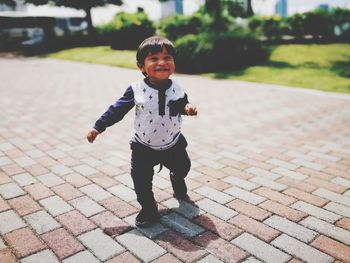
<point x="190" y="110"/>
<point x="92" y="135"/>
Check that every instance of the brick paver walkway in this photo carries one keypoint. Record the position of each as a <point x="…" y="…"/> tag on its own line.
<point x="270" y="176"/>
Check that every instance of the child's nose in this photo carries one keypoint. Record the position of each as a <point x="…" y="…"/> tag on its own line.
<point x="161" y="61"/>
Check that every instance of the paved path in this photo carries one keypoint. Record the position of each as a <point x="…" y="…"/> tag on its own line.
<point x="270" y="176"/>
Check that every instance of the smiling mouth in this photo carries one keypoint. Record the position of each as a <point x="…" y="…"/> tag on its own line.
<point x="163" y="69"/>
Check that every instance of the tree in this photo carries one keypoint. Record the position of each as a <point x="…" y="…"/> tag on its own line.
<point x="241" y="8"/>
<point x="249" y="11"/>
<point x="235" y="8"/>
<point x="85" y="5"/>
<point x="8" y="2"/>
<point x="214" y="9"/>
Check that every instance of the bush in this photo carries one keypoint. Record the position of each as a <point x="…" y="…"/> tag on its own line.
<point x="341" y="21"/>
<point x="296" y="25"/>
<point x="178" y="26"/>
<point x="318" y="23"/>
<point x="218" y="52"/>
<point x="255" y="24"/>
<point x="127" y="31"/>
<point x="272" y="27"/>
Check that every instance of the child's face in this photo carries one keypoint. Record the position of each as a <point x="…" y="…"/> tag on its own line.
<point x="158" y="66"/>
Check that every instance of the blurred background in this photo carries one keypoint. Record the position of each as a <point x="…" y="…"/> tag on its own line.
<point x="290" y="42"/>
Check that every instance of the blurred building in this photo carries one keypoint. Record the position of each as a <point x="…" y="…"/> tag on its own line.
<point x="179" y="6"/>
<point x="171" y="7"/>
<point x="20" y="6"/>
<point x="167" y="8"/>
<point x="324" y="7"/>
<point x="281" y="8"/>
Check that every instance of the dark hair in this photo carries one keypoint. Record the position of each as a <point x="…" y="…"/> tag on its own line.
<point x="153" y="45"/>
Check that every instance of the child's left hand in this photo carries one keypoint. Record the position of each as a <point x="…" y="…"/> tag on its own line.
<point x="190" y="110"/>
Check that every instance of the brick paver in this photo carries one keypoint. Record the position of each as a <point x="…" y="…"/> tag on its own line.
<point x="182" y="248"/>
<point x="45" y="256"/>
<point x="295" y="230"/>
<point x="332" y="247"/>
<point x="218" y="226"/>
<point x="62" y="243"/>
<point x="24" y="242"/>
<point x="150" y="232"/>
<point x="254" y="227"/>
<point x="10" y="221"/>
<point x="7" y="256"/>
<point x="86" y="206"/>
<point x="38" y="191"/>
<point x="126" y="257"/>
<point x="66" y="191"/>
<point x="327" y="229"/>
<point x="24" y="205"/>
<point x="103" y="246"/>
<point x="11" y="190"/>
<point x="270" y="175"/>
<point x="181" y="225"/>
<point x="55" y="205"/>
<point x="42" y="222"/>
<point x="300" y="249"/>
<point x="75" y="222"/>
<point x="260" y="249"/>
<point x="219" y="247"/>
<point x="249" y="209"/>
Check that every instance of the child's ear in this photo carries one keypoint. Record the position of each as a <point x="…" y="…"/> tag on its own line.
<point x="140" y="66"/>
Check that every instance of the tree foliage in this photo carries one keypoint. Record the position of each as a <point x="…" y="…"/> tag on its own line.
<point x="318" y="24"/>
<point x="174" y="27"/>
<point x="85" y="5"/>
<point x="8" y="2"/>
<point x="127" y="30"/>
<point x="234" y="8"/>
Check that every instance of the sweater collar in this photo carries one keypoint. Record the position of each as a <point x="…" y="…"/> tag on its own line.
<point x="165" y="87"/>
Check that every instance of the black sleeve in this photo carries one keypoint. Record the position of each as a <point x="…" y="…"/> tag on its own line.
<point x="116" y="111"/>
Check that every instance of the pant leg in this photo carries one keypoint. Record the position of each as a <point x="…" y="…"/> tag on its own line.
<point x="142" y="162"/>
<point x="178" y="162"/>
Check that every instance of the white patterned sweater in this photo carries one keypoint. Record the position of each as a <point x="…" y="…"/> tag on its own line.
<point x="157" y="113"/>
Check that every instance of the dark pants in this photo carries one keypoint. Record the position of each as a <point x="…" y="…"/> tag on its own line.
<point x="143" y="160"/>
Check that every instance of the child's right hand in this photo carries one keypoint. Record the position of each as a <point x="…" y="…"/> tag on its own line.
<point x="92" y="135"/>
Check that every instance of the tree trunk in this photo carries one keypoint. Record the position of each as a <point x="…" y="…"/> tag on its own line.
<point x="250" y="11"/>
<point x="88" y="18"/>
<point x="213" y="7"/>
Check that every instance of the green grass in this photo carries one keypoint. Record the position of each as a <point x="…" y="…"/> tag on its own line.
<point x="99" y="55"/>
<point x="320" y="67"/>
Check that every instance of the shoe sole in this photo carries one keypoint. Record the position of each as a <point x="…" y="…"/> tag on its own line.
<point x="146" y="224"/>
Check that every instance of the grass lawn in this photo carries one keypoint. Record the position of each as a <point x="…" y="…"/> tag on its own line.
<point x="99" y="55"/>
<point x="321" y="67"/>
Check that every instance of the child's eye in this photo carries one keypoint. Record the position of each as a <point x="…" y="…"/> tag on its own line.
<point x="169" y="58"/>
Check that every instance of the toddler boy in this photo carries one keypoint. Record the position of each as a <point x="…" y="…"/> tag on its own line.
<point x="159" y="103"/>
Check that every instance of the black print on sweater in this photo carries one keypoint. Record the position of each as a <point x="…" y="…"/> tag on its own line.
<point x="177" y="106"/>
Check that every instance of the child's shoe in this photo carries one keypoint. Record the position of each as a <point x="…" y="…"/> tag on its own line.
<point x="184" y="197"/>
<point x="144" y="219"/>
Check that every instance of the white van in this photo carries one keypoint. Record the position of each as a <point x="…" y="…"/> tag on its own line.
<point x="22" y="29"/>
